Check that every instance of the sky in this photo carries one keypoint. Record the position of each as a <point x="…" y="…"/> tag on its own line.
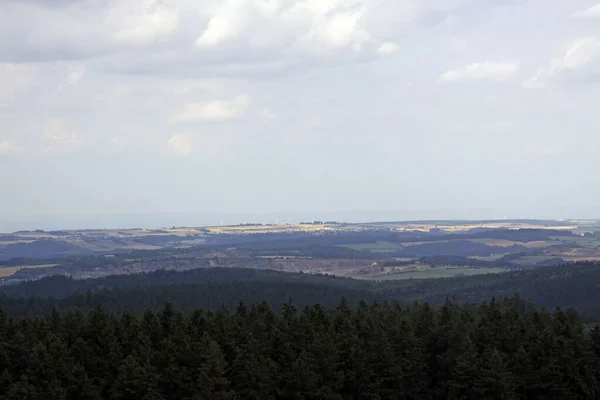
<point x="398" y="108"/>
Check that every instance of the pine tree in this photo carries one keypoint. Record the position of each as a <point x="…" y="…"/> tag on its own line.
<point x="22" y="390"/>
<point x="463" y="374"/>
<point x="253" y="372"/>
<point x="212" y="379"/>
<point x="493" y="380"/>
<point x="134" y="381"/>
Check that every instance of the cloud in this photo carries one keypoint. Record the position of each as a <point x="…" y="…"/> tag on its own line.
<point x="581" y="60"/>
<point x="546" y="149"/>
<point x="180" y="145"/>
<point x="5" y="146"/>
<point x="310" y="26"/>
<point x="267" y="114"/>
<point x="58" y="136"/>
<point x="63" y="138"/>
<point x="205" y="37"/>
<point x="75" y="74"/>
<point x="216" y="110"/>
<point x="592" y="12"/>
<point x="458" y="44"/>
<point x="224" y="24"/>
<point x="387" y="48"/>
<point x="484" y="71"/>
<point x="142" y="21"/>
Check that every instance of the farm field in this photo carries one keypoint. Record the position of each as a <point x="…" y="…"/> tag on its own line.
<point x="378" y="247"/>
<point x="507" y="243"/>
<point x="9" y="271"/>
<point x="342" y="249"/>
<point x="532" y="260"/>
<point x="591" y="242"/>
<point x="493" y="257"/>
<point x="437" y="272"/>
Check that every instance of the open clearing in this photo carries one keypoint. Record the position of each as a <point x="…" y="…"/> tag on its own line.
<point x="9" y="271"/>
<point x="508" y="243"/>
<point x="248" y="229"/>
<point x="581" y="241"/>
<point x="493" y="257"/>
<point x="467" y="227"/>
<point x="532" y="260"/>
<point x="377" y="247"/>
<point x="490" y="242"/>
<point x="439" y="272"/>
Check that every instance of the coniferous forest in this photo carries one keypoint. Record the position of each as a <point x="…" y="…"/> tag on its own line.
<point x="502" y="349"/>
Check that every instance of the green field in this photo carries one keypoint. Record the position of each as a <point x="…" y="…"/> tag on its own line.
<point x="493" y="257"/>
<point x="590" y="242"/>
<point x="531" y="260"/>
<point x="377" y="247"/>
<point x="439" y="272"/>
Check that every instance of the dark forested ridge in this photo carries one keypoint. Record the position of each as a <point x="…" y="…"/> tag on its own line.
<point x="503" y="349"/>
<point x="234" y="333"/>
<point x="188" y="297"/>
<point x="574" y="285"/>
<point x="62" y="286"/>
<point x="570" y="285"/>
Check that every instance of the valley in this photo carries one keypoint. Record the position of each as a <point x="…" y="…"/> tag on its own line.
<point x="378" y="251"/>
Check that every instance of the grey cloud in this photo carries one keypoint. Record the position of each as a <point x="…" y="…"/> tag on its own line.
<point x="48" y="4"/>
<point x="345" y="120"/>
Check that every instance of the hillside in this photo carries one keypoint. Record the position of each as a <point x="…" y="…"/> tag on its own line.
<point x="574" y="285"/>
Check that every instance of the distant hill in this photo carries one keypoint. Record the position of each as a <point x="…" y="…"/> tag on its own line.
<point x="574" y="285"/>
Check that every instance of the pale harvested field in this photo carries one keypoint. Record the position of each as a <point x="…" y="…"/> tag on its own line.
<point x="507" y="243"/>
<point x="490" y="242"/>
<point x="268" y="229"/>
<point x="567" y="258"/>
<point x="462" y="228"/>
<point x="287" y="228"/>
<point x="33" y="235"/>
<point x="9" y="271"/>
<point x="439" y="272"/>
<point x="150" y="232"/>
<point x="409" y="244"/>
<point x="582" y="253"/>
<point x="108" y="245"/>
<point x="9" y="242"/>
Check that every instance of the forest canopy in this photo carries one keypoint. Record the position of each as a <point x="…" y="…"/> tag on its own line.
<point x="500" y="349"/>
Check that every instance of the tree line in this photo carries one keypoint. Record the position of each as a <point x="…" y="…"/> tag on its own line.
<point x="502" y="349"/>
<point x="570" y="285"/>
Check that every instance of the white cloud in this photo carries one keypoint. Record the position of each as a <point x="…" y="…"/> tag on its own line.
<point x="592" y="12"/>
<point x="58" y="136"/>
<point x="267" y="114"/>
<point x="5" y="146"/>
<point x="546" y="149"/>
<point x="451" y="21"/>
<point x="458" y="44"/>
<point x="339" y="30"/>
<point x="242" y="37"/>
<point x="75" y="74"/>
<point x="581" y="58"/>
<point x="387" y="48"/>
<point x="216" y="110"/>
<point x="224" y="24"/>
<point x="180" y="145"/>
<point x="323" y="94"/>
<point x="490" y="71"/>
<point x="310" y="27"/>
<point x="142" y="21"/>
<point x="16" y="80"/>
